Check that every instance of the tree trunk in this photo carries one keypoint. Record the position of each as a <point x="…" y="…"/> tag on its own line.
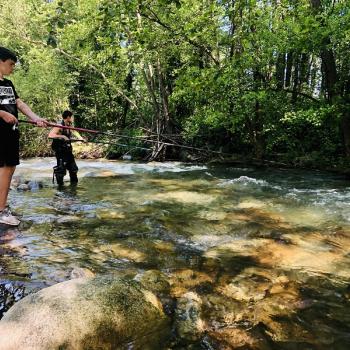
<point x="329" y="72"/>
<point x="148" y="77"/>
<point x="296" y="78"/>
<point x="289" y="66"/>
<point x="280" y="68"/>
<point x="126" y="104"/>
<point x="345" y="128"/>
<point x="330" y="80"/>
<point x="257" y="122"/>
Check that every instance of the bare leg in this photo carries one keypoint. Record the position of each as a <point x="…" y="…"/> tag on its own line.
<point x="6" y="173"/>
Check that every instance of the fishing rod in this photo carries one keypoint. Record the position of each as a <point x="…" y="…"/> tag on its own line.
<point x="49" y="124"/>
<point x="96" y="132"/>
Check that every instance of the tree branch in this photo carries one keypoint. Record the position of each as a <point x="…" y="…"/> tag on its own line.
<point x="156" y="19"/>
<point x="296" y="92"/>
<point x="70" y="56"/>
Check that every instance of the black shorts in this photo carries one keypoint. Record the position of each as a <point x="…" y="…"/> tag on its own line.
<point x="9" y="146"/>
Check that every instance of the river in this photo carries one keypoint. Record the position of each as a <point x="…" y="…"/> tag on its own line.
<point x="266" y="250"/>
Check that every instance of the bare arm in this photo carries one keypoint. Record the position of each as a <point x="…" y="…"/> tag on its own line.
<point x="55" y="133"/>
<point x="8" y="117"/>
<point x="25" y="109"/>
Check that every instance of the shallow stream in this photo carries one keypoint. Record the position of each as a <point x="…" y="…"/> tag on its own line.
<point x="266" y="251"/>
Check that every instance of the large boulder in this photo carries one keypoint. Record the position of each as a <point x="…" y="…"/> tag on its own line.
<point x="86" y="314"/>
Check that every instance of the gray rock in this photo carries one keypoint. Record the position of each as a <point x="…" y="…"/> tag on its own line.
<point x="16" y="181"/>
<point x="127" y="157"/>
<point x="188" y="322"/>
<point x="81" y="272"/>
<point x="86" y="313"/>
<point x="23" y="187"/>
<point x="154" y="280"/>
<point x="35" y="185"/>
<point x="27" y="185"/>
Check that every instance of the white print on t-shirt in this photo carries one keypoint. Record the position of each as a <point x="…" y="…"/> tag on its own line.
<point x="7" y="101"/>
<point x="6" y="90"/>
<point x="7" y="96"/>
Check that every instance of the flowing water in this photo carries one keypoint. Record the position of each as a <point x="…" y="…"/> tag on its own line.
<point x="266" y="251"/>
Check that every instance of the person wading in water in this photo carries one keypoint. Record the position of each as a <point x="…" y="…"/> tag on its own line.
<point x="10" y="103"/>
<point x="62" y="146"/>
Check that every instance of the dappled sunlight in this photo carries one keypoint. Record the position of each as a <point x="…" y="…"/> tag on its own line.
<point x="301" y="258"/>
<point x="267" y="219"/>
<point x="305" y="216"/>
<point x="251" y="203"/>
<point x="256" y="266"/>
<point x="175" y="184"/>
<point x="121" y="252"/>
<point x="182" y="281"/>
<point x="185" y="197"/>
<point x="212" y="215"/>
<point x="164" y="246"/>
<point x="311" y="254"/>
<point x="109" y="214"/>
<point x="240" y="247"/>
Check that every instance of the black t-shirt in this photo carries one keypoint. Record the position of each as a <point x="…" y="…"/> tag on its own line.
<point x="8" y="96"/>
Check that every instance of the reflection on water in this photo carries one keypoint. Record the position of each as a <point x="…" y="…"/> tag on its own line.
<point x="266" y="252"/>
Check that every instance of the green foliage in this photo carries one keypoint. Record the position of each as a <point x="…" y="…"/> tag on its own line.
<point x="43" y="82"/>
<point x="317" y="127"/>
<point x="130" y="144"/>
<point x="241" y="76"/>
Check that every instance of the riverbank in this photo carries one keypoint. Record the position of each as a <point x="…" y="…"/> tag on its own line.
<point x="340" y="166"/>
<point x="315" y="161"/>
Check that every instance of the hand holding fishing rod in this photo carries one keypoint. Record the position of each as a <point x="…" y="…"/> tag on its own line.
<point x="40" y="122"/>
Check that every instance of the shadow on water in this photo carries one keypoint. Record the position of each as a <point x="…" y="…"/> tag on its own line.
<point x="10" y="291"/>
<point x="266" y="254"/>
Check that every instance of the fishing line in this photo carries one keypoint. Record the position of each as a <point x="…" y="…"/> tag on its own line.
<point x="140" y="138"/>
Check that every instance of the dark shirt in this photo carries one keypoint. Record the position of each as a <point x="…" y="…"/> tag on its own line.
<point x="8" y="96"/>
<point x="60" y="145"/>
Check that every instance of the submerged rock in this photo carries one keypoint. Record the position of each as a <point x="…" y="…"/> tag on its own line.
<point x="23" y="187"/>
<point x="9" y="294"/>
<point x="237" y="338"/>
<point x="189" y="324"/>
<point x="8" y="234"/>
<point x="35" y="185"/>
<point x="86" y="313"/>
<point x="81" y="272"/>
<point x="154" y="280"/>
<point x="27" y="185"/>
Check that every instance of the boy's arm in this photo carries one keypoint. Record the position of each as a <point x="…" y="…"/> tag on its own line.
<point x="8" y="117"/>
<point x="55" y="133"/>
<point x="25" y="109"/>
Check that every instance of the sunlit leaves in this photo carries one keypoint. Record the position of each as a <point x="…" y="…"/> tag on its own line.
<point x="217" y="62"/>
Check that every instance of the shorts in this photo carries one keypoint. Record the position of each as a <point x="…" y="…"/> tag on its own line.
<point x="9" y="147"/>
